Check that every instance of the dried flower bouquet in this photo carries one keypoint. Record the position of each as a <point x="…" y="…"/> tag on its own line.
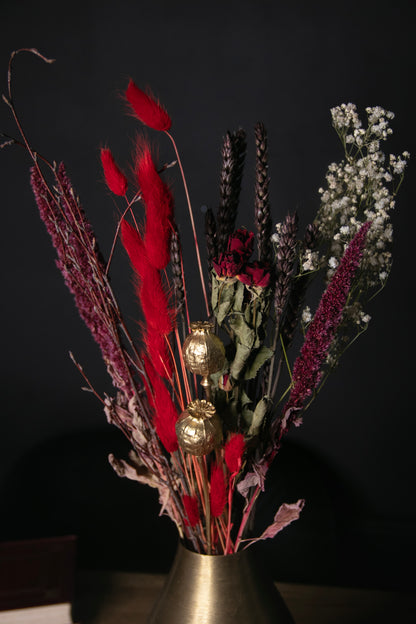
<point x="207" y="447"/>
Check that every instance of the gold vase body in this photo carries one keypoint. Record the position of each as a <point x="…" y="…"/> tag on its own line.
<point x="218" y="589"/>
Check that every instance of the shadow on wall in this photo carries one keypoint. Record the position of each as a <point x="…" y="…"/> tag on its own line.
<point x="66" y="486"/>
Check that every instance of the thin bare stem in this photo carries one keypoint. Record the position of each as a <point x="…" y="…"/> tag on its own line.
<point x="192" y="223"/>
<point x="204" y="476"/>
<point x="246" y="516"/>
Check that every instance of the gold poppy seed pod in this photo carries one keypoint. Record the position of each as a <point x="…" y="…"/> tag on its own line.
<point x="199" y="428"/>
<point x="203" y="352"/>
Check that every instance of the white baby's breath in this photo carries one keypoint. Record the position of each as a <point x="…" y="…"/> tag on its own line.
<point x="306" y="315"/>
<point x="361" y="188"/>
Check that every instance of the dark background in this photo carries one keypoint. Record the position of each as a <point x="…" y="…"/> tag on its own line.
<point x="215" y="66"/>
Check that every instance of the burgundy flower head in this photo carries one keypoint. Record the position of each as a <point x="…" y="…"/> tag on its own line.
<point x="239" y="250"/>
<point x="229" y="265"/>
<point x="241" y="242"/>
<point x="255" y="274"/>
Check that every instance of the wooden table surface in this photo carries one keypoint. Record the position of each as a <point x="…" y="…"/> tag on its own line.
<point x="127" y="598"/>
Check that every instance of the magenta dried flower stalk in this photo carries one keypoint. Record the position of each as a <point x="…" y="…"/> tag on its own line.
<point x="307" y="368"/>
<point x="83" y="269"/>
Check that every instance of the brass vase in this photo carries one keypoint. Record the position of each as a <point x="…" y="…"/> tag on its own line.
<point x="218" y="589"/>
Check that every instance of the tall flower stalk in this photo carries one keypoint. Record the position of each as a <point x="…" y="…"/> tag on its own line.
<point x="307" y="369"/>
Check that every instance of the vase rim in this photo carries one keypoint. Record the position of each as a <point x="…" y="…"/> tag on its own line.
<point x="182" y="546"/>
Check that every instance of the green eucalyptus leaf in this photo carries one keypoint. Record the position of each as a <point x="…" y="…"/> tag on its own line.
<point x="247" y="416"/>
<point x="261" y="357"/>
<point x="225" y="300"/>
<point x="245" y="334"/>
<point x="248" y="314"/>
<point x="258" y="416"/>
<point x="238" y="297"/>
<point x="214" y="292"/>
<point x="241" y="356"/>
<point x="244" y="398"/>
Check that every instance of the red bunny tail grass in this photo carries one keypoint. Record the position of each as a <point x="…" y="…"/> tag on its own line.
<point x="158" y="352"/>
<point x="133" y="244"/>
<point x="154" y="301"/>
<point x="233" y="452"/>
<point x="147" y="109"/>
<point x="159" y="211"/>
<point x="218" y="493"/>
<point x="166" y="413"/>
<point x="191" y="508"/>
<point x="153" y="297"/>
<point x="114" y="177"/>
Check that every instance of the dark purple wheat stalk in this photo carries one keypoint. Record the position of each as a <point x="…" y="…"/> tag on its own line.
<point x="233" y="153"/>
<point x="262" y="216"/>
<point x="298" y="290"/>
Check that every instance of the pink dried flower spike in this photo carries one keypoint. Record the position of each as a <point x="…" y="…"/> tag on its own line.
<point x="307" y="368"/>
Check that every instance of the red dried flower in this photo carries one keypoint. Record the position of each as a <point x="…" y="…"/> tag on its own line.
<point x="191" y="507"/>
<point x="255" y="274"/>
<point x="114" y="177"/>
<point x="239" y="250"/>
<point x="147" y="109"/>
<point x="242" y="242"/>
<point x="218" y="493"/>
<point x="228" y="265"/>
<point x="233" y="452"/>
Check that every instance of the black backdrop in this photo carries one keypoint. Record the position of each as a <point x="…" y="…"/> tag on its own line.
<point x="216" y="66"/>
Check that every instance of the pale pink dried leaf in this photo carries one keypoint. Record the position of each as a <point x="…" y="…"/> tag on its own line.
<point x="135" y="472"/>
<point x="287" y="513"/>
<point x="253" y="479"/>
